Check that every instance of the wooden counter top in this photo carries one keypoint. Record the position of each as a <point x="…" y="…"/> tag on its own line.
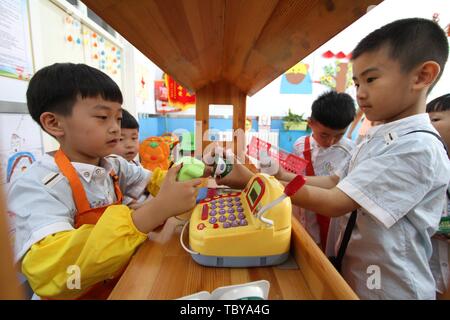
<point x="161" y="269"/>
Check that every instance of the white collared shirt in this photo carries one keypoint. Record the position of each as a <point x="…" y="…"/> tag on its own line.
<point x="41" y="199"/>
<point x="399" y="180"/>
<point x="326" y="162"/>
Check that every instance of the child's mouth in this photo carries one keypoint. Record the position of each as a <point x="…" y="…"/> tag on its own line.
<point x="112" y="142"/>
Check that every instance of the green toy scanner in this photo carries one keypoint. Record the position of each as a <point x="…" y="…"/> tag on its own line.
<point x="192" y="169"/>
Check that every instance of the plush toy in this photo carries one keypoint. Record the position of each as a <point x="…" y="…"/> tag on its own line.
<point x="192" y="168"/>
<point x="154" y="153"/>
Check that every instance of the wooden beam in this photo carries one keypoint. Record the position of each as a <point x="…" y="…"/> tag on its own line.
<point x="225" y="93"/>
<point x="245" y="42"/>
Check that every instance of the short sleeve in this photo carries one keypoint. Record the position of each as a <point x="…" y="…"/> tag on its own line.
<point x="133" y="179"/>
<point x="299" y="146"/>
<point x="38" y="211"/>
<point x="389" y="185"/>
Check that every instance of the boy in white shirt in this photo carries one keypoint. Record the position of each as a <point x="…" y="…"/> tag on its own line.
<point x="326" y="150"/>
<point x="67" y="206"/>
<point x="439" y="112"/>
<point x="397" y="178"/>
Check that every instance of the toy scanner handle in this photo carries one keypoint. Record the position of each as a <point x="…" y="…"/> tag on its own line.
<point x="292" y="187"/>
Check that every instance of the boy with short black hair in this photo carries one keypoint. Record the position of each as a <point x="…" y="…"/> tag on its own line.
<point x="397" y="178"/>
<point x="128" y="146"/>
<point x="67" y="206"/>
<point x="326" y="150"/>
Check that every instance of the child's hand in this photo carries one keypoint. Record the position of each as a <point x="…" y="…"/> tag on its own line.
<point x="177" y="197"/>
<point x="237" y="178"/>
<point x="284" y="175"/>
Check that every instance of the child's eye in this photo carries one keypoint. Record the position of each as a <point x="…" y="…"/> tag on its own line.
<point x="369" y="80"/>
<point x="356" y="85"/>
<point x="434" y="119"/>
<point x="120" y="139"/>
<point x="102" y="117"/>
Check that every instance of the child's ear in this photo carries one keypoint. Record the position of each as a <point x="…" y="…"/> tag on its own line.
<point x="51" y="123"/>
<point x="426" y="74"/>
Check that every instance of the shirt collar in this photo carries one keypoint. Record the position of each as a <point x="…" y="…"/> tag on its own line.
<point x="88" y="171"/>
<point x="400" y="126"/>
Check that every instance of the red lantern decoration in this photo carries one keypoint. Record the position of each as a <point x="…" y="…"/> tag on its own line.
<point x="328" y="54"/>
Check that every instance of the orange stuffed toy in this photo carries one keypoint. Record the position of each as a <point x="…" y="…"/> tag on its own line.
<point x="154" y="153"/>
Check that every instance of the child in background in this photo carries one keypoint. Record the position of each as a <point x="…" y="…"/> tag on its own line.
<point x="326" y="150"/>
<point x="128" y="146"/>
<point x="69" y="219"/>
<point x="396" y="180"/>
<point x="439" y="112"/>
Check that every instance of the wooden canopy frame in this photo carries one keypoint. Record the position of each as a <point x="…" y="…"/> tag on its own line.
<point x="225" y="50"/>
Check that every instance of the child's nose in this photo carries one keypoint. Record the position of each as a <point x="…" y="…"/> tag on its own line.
<point x="361" y="94"/>
<point x="115" y="127"/>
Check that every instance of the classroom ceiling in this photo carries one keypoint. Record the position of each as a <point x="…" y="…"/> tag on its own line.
<point x="247" y="43"/>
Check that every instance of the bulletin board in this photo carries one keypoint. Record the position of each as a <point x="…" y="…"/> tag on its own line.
<point x="68" y="38"/>
<point x="16" y="59"/>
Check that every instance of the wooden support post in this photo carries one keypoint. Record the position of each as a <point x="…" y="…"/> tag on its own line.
<point x="221" y="92"/>
<point x="9" y="284"/>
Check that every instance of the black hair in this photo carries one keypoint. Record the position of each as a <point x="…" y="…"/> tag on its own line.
<point x="410" y="41"/>
<point x="333" y="110"/>
<point x="128" y="121"/>
<point x="441" y="103"/>
<point x="56" y="88"/>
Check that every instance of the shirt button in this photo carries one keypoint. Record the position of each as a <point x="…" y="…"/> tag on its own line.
<point x="444" y="264"/>
<point x="98" y="172"/>
<point x="86" y="174"/>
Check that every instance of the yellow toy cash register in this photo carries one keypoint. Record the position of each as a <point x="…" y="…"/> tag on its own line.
<point x="227" y="230"/>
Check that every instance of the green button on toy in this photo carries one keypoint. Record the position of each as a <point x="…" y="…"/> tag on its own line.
<point x="192" y="169"/>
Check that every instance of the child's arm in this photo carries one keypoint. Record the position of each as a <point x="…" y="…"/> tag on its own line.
<point x="101" y="250"/>
<point x="326" y="182"/>
<point x="328" y="202"/>
<point x="173" y="198"/>
<point x="94" y="252"/>
<point x="319" y="195"/>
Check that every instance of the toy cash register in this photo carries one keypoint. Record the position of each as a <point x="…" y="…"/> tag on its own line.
<point x="229" y="230"/>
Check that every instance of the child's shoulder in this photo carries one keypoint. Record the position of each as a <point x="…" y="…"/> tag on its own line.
<point x="43" y="174"/>
<point x="347" y="143"/>
<point x="299" y="144"/>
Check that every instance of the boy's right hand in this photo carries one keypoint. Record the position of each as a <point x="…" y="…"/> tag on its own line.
<point x="237" y="178"/>
<point x="177" y="197"/>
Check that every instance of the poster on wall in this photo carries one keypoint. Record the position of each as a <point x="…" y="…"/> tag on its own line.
<point x="15" y="43"/>
<point x="102" y="54"/>
<point x="20" y="145"/>
<point x="170" y="96"/>
<point x="297" y="80"/>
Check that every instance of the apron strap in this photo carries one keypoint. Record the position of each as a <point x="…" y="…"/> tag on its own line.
<point x="78" y="193"/>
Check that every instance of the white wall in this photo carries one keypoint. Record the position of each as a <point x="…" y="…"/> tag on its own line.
<point x="46" y="19"/>
<point x="270" y="102"/>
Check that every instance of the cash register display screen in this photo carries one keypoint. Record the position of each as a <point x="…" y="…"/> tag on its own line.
<point x="253" y="193"/>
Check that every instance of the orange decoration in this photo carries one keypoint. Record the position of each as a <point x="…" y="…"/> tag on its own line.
<point x="69" y="38"/>
<point x="154" y="153"/>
